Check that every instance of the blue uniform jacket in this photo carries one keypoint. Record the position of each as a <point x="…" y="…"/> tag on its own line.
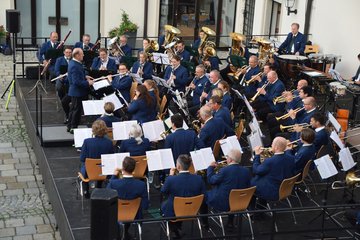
<point x="109" y="120"/>
<point x="227" y="101"/>
<point x="184" y="56"/>
<point x="182" y="77"/>
<point x="213" y="130"/>
<point x="81" y="45"/>
<point x="302" y="156"/>
<point x="141" y="111"/>
<point x="111" y="65"/>
<point x="78" y="85"/>
<point x="208" y="89"/>
<point x="123" y="84"/>
<point x="94" y="147"/>
<point x="155" y="104"/>
<point x="182" y="185"/>
<point x="299" y="43"/>
<point x="271" y="173"/>
<point x="272" y="91"/>
<point x="147" y="69"/>
<point x="127" y="50"/>
<point x="61" y="61"/>
<point x="321" y="138"/>
<point x="130" y="145"/>
<point x="224" y="114"/>
<point x="200" y="86"/>
<point x="251" y="89"/>
<point x="44" y="47"/>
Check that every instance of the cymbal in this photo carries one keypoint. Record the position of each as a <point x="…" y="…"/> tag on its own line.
<point x="208" y="31"/>
<point x="237" y="36"/>
<point x="172" y="29"/>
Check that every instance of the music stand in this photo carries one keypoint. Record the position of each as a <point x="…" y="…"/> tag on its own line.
<point x="88" y="58"/>
<point x="161" y="58"/>
<point x="38" y="83"/>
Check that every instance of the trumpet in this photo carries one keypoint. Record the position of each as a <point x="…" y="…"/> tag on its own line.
<point x="258" y="92"/>
<point x="237" y="73"/>
<point x="220" y="165"/>
<point x="165" y="133"/>
<point x="265" y="153"/>
<point x="253" y="79"/>
<point x="282" y="98"/>
<point x="288" y="115"/>
<point x="290" y="128"/>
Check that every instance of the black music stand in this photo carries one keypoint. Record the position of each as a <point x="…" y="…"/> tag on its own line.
<point x="98" y="94"/>
<point x="88" y="58"/>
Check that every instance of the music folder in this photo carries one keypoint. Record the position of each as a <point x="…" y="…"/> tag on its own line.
<point x="230" y="143"/>
<point x="80" y="134"/>
<point x="121" y="130"/>
<point x="160" y="159"/>
<point x="101" y="84"/>
<point x="337" y="139"/>
<point x="53" y="54"/>
<point x="325" y="167"/>
<point x="254" y="139"/>
<point x="334" y="122"/>
<point x="100" y="73"/>
<point x="168" y="122"/>
<point x="93" y="107"/>
<point x="346" y="159"/>
<point x="202" y="158"/>
<point x="137" y="78"/>
<point x="111" y="162"/>
<point x="153" y="129"/>
<point x="114" y="99"/>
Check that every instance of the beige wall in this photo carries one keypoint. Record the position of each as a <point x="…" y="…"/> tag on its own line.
<point x="5" y="4"/>
<point x="153" y="18"/>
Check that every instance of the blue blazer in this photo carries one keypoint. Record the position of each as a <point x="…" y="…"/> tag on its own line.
<point x="184" y="56"/>
<point x="299" y="43"/>
<point x="224" y="114"/>
<point x="130" y="145"/>
<point x="213" y="130"/>
<point x="61" y="61"/>
<point x="78" y="85"/>
<point x="200" y="86"/>
<point x="270" y="174"/>
<point x="214" y="63"/>
<point x="295" y="103"/>
<point x="227" y="101"/>
<point x="129" y="189"/>
<point x="302" y="156"/>
<point x="123" y="84"/>
<point x="182" y="77"/>
<point x="111" y="65"/>
<point x="44" y="47"/>
<point x="147" y="69"/>
<point x="127" y="50"/>
<point x="161" y="40"/>
<point x="196" y="44"/>
<point x="208" y="89"/>
<point x="251" y="89"/>
<point x="182" y="185"/>
<point x="81" y="45"/>
<point x="182" y="142"/>
<point x="321" y="138"/>
<point x="141" y="111"/>
<point x="272" y="91"/>
<point x="155" y="104"/>
<point x="231" y="177"/>
<point x="109" y="120"/>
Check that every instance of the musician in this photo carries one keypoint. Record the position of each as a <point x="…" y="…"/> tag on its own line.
<point x="124" y="46"/>
<point x="226" y="99"/>
<point x="122" y="82"/>
<point x="219" y="111"/>
<point x="108" y="116"/>
<point x="94" y="147"/>
<point x="176" y="75"/>
<point x="78" y="87"/>
<point x="146" y="47"/>
<point x="129" y="188"/>
<point x="270" y="173"/>
<point x="181" y="52"/>
<point x="182" y="185"/>
<point x="197" y="42"/>
<point x="250" y="72"/>
<point x="213" y="128"/>
<point x="214" y="78"/>
<point x="154" y="93"/>
<point x="318" y="122"/>
<point x="196" y="88"/>
<point x="137" y="144"/>
<point x="51" y="44"/>
<point x="103" y="62"/>
<point x="85" y="45"/>
<point x="181" y="141"/>
<point x="142" y="106"/>
<point x="143" y="67"/>
<point x="295" y="41"/>
<point x="261" y="80"/>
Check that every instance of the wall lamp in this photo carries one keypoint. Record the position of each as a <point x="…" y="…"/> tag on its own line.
<point x="290" y="4"/>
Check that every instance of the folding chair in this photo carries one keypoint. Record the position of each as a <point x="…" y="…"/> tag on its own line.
<point x="140" y="169"/>
<point x="127" y="210"/>
<point x="162" y="110"/>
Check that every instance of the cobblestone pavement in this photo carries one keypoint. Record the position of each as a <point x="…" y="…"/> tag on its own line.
<point x="25" y="212"/>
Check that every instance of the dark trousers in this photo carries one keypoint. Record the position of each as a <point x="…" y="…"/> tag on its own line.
<point x="65" y="103"/>
<point x="75" y="111"/>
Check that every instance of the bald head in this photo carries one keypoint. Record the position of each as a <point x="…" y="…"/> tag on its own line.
<point x="301" y="83"/>
<point x="279" y="144"/>
<point x="205" y="113"/>
<point x="272" y="76"/>
<point x="234" y="155"/>
<point x="78" y="54"/>
<point x="309" y="103"/>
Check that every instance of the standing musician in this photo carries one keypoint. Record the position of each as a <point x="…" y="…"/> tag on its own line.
<point x="270" y="173"/>
<point x="124" y="46"/>
<point x="78" y="87"/>
<point x="176" y="75"/>
<point x="181" y="141"/>
<point x="295" y="41"/>
<point x="181" y="52"/>
<point x="214" y="78"/>
<point x="137" y="144"/>
<point x="226" y="99"/>
<point x="85" y="45"/>
<point x="108" y="116"/>
<point x="317" y="122"/>
<point x="196" y="88"/>
<point x="142" y="106"/>
<point x="103" y="62"/>
<point x="213" y="128"/>
<point x="51" y="44"/>
<point x="219" y="111"/>
<point x="248" y="73"/>
<point x="143" y="67"/>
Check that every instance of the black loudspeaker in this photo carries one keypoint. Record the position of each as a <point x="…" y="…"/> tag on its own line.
<point x="12" y="21"/>
<point x="104" y="206"/>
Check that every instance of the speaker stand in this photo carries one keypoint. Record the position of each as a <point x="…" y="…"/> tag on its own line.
<point x="11" y="85"/>
<point x="39" y="83"/>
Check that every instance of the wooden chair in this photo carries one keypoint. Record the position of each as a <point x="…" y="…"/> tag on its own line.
<point x="132" y="89"/>
<point x="239" y="130"/>
<point x="304" y="175"/>
<point x="186" y="206"/>
<point x="162" y="110"/>
<point x="216" y="149"/>
<point x="127" y="210"/>
<point x="322" y="152"/>
<point x="311" y="49"/>
<point x="140" y="169"/>
<point x="110" y="135"/>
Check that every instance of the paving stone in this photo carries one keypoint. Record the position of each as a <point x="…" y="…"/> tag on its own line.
<point x="7" y="173"/>
<point x="16" y="185"/>
<point x="44" y="228"/>
<point x="6" y="167"/>
<point x="23" y="237"/>
<point x="11" y="192"/>
<point x="14" y="222"/>
<point x="3" y="186"/>
<point x="7" y="232"/>
<point x="43" y="236"/>
<point x="23" y="166"/>
<point x="25" y="230"/>
<point x="25" y="178"/>
<point x="34" y="220"/>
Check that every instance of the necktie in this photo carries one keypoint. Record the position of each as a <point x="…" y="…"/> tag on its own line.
<point x="292" y="44"/>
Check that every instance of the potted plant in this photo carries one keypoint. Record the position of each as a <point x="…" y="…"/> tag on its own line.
<point x="126" y="27"/>
<point x="2" y="34"/>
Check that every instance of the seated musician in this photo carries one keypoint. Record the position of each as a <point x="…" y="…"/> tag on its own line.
<point x="176" y="75"/>
<point x="181" y="52"/>
<point x="318" y="122"/>
<point x="270" y="173"/>
<point x="137" y="144"/>
<point x="142" y="106"/>
<point x="295" y="41"/>
<point x="219" y="111"/>
<point x="301" y="83"/>
<point x="197" y="42"/>
<point x="181" y="141"/>
<point x="196" y="88"/>
<point x="51" y="44"/>
<point x="183" y="184"/>
<point x="124" y="46"/>
<point x="146" y="47"/>
<point x="213" y="128"/>
<point x="153" y="90"/>
<point x="103" y="62"/>
<point x="122" y="82"/>
<point x="62" y="84"/>
<point x="226" y="99"/>
<point x="93" y="148"/>
<point x="85" y="44"/>
<point x="233" y="176"/>
<point x="129" y="188"/>
<point x="211" y="63"/>
<point x="264" y="103"/>
<point x="263" y="78"/>
<point x="143" y="67"/>
<point x="306" y="151"/>
<point x="108" y="116"/>
<point x="250" y="72"/>
<point x="214" y="78"/>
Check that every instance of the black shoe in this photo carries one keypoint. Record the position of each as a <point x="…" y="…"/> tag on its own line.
<point x="68" y="129"/>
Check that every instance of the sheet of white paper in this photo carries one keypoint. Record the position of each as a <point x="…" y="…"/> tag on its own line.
<point x="346" y="159"/>
<point x="136" y="77"/>
<point x="80" y="134"/>
<point x="111" y="162"/>
<point x="334" y="122"/>
<point x="121" y="130"/>
<point x="255" y="140"/>
<point x="202" y="158"/>
<point x="160" y="159"/>
<point x="337" y="139"/>
<point x="114" y="99"/>
<point x="161" y="58"/>
<point x="167" y="158"/>
<point x="325" y="167"/>
<point x="100" y="84"/>
<point x="313" y="73"/>
<point x="153" y="129"/>
<point x="229" y="143"/>
<point x="93" y="107"/>
<point x="168" y="123"/>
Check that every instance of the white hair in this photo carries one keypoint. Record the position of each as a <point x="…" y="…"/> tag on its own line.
<point x="136" y="132"/>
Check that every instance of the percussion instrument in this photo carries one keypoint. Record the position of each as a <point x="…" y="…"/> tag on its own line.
<point x="289" y="64"/>
<point x="338" y="88"/>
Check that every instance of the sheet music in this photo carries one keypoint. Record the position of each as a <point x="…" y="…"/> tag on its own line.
<point x="111" y="162"/>
<point x="313" y="73"/>
<point x="160" y="81"/>
<point x="161" y="58"/>
<point x="168" y="123"/>
<point x="346" y="159"/>
<point x="250" y="108"/>
<point x="121" y="130"/>
<point x="256" y="126"/>
<point x="160" y="159"/>
<point x="100" y="84"/>
<point x="230" y="143"/>
<point x="202" y="158"/>
<point x="335" y="137"/>
<point x="80" y="134"/>
<point x="325" y="167"/>
<point x="93" y="107"/>
<point x="255" y="140"/>
<point x="136" y="77"/>
<point x="153" y="129"/>
<point x="334" y="122"/>
<point x="114" y="99"/>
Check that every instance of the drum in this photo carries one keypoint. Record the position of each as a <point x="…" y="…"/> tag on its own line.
<point x="317" y="61"/>
<point x="289" y="64"/>
<point x="337" y="88"/>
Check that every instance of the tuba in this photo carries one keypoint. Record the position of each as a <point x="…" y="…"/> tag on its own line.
<point x="237" y="47"/>
<point x="170" y="39"/>
<point x="115" y="48"/>
<point x="205" y="43"/>
<point x="154" y="45"/>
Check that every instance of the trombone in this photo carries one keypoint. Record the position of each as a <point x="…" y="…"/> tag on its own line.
<point x="288" y="114"/>
<point x="351" y="181"/>
<point x="258" y="92"/>
<point x="290" y="128"/>
<point x="253" y="79"/>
